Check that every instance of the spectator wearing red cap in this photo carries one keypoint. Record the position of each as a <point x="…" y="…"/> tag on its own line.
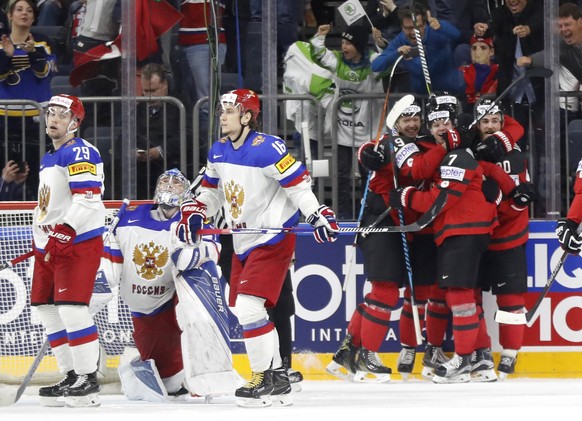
<point x="481" y="75"/>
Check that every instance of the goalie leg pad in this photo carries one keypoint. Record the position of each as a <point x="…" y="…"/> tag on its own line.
<point x="203" y="318"/>
<point x="141" y="381"/>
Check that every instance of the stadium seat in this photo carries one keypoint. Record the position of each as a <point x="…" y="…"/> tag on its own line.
<point x="60" y="85"/>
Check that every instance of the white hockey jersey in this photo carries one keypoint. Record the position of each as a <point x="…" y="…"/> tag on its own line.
<point x="260" y="185"/>
<point x="70" y="189"/>
<point x="138" y="258"/>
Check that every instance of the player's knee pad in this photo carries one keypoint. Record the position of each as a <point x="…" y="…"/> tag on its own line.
<point x="49" y="315"/>
<point x="461" y="301"/>
<point x="75" y="317"/>
<point x="383" y="296"/>
<point x="514" y="303"/>
<point x="249" y="309"/>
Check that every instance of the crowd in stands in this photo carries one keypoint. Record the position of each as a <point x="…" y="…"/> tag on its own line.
<point x="472" y="48"/>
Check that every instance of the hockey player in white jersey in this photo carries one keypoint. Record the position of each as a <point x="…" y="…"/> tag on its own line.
<point x="156" y="275"/>
<point x="68" y="223"/>
<point x="259" y="184"/>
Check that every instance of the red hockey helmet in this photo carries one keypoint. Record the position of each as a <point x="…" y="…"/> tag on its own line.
<point x="245" y="99"/>
<point x="69" y="102"/>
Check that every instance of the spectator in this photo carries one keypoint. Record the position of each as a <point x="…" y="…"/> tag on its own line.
<point x="353" y="73"/>
<point x="480" y="75"/>
<point x="26" y="69"/>
<point x="438" y="38"/>
<point x="52" y="12"/>
<point x="384" y="17"/>
<point x="199" y="23"/>
<point x="13" y="177"/>
<point x="464" y="15"/>
<point x="518" y="30"/>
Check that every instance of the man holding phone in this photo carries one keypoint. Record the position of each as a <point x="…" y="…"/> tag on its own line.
<point x="14" y="175"/>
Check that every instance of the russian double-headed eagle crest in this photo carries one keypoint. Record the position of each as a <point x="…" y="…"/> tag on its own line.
<point x="149" y="260"/>
<point x="44" y="197"/>
<point x="235" y="195"/>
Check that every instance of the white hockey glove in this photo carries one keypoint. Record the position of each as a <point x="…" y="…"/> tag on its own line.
<point x="325" y="224"/>
<point x="187" y="257"/>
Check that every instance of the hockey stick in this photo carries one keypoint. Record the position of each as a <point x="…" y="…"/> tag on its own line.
<point x="508" y="318"/>
<point x="419" y="224"/>
<point x="421" y="52"/>
<point x="529" y="72"/>
<point x="16" y="260"/>
<point x="10" y="397"/>
<point x="405" y="249"/>
<point x="393" y="115"/>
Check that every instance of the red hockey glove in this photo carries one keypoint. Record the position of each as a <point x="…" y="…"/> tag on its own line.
<point x="459" y="138"/>
<point x="372" y="159"/>
<point x="60" y="241"/>
<point x="568" y="236"/>
<point x="493" y="148"/>
<point x="193" y="216"/>
<point x="400" y="198"/>
<point x="325" y="224"/>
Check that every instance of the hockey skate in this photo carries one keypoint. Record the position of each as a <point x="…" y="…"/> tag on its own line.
<point x="281" y="394"/>
<point x="343" y="364"/>
<point x="369" y="368"/>
<point x="85" y="392"/>
<point x="482" y="366"/>
<point x="51" y="395"/>
<point x="406" y="362"/>
<point x="256" y="392"/>
<point x="295" y="378"/>
<point x="507" y="363"/>
<point x="456" y="370"/>
<point x="433" y="357"/>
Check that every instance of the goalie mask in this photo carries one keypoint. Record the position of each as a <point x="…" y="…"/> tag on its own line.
<point x="172" y="188"/>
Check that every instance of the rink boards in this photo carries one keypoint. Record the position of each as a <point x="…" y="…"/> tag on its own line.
<point x="552" y="344"/>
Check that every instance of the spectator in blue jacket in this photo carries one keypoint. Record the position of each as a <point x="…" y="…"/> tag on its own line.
<point x="437" y="39"/>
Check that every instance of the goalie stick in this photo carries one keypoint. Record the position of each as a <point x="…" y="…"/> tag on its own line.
<point x="10" y="396"/>
<point x="419" y="224"/>
<point x="509" y="318"/>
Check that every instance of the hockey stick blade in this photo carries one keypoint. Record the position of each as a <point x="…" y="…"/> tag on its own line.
<point x="400" y="105"/>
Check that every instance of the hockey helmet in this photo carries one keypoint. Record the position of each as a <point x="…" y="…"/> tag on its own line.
<point x="411" y="111"/>
<point x="172" y="188"/>
<point x="487" y="106"/>
<point x="441" y="105"/>
<point x="245" y="100"/>
<point x="69" y="103"/>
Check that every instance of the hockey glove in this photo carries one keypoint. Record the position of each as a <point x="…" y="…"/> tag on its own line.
<point x="523" y="195"/>
<point x="325" y="224"/>
<point x="193" y="214"/>
<point x="60" y="242"/>
<point x="192" y="257"/>
<point x="568" y="236"/>
<point x="491" y="191"/>
<point x="493" y="148"/>
<point x="459" y="138"/>
<point x="400" y="198"/>
<point x="371" y="159"/>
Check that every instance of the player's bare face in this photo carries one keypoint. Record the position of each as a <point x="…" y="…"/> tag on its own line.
<point x="439" y="128"/>
<point x="58" y="120"/>
<point x="230" y="124"/>
<point x="409" y="125"/>
<point x="489" y="124"/>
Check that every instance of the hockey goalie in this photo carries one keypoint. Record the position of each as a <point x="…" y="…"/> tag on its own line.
<point x="180" y="318"/>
